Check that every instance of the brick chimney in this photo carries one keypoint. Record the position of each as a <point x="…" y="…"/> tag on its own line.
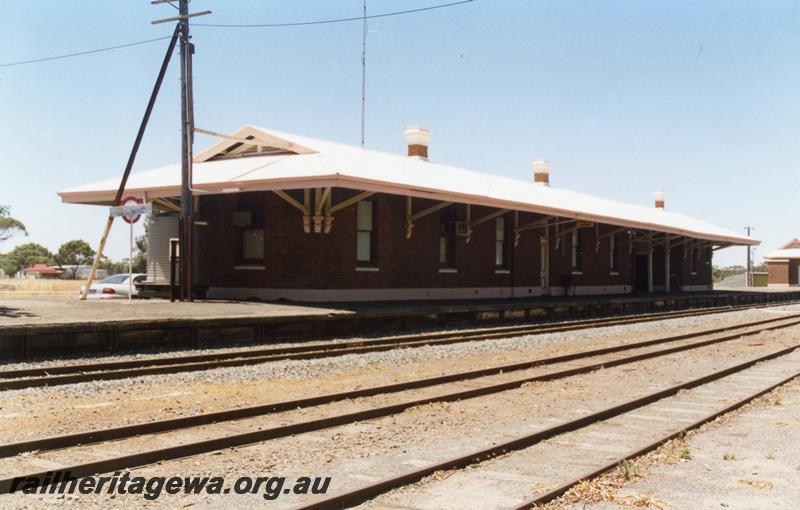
<point x="541" y="172"/>
<point x="417" y="138"/>
<point x="659" y="196"/>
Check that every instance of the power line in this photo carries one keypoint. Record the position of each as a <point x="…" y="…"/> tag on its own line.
<point x="327" y="21"/>
<point x="267" y="25"/>
<point x="81" y="53"/>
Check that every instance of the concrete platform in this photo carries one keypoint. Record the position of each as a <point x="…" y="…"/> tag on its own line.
<point x="37" y="328"/>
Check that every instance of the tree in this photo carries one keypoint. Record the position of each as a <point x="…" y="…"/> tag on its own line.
<point x="140" y="256"/>
<point x="74" y="253"/>
<point x="112" y="267"/>
<point x="25" y="255"/>
<point x="9" y="226"/>
<point x="121" y="266"/>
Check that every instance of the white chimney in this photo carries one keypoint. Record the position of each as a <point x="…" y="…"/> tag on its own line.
<point x="417" y="138"/>
<point x="541" y="172"/>
<point x="659" y="196"/>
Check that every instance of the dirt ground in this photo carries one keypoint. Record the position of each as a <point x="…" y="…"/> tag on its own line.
<point x="747" y="460"/>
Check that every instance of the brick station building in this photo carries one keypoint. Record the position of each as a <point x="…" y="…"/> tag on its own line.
<point x="280" y="216"/>
<point x="783" y="265"/>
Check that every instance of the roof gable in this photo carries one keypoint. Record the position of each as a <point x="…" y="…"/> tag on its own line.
<point x="794" y="243"/>
<point x="250" y="141"/>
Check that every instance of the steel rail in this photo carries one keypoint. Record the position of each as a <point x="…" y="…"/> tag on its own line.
<point x="127" y="431"/>
<point x="155" y="366"/>
<point x="205" y="446"/>
<point x="361" y="494"/>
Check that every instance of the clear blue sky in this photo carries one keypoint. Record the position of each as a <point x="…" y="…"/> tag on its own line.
<point x="701" y="99"/>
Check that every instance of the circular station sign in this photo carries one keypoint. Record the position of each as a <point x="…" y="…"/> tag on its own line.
<point x="131" y="200"/>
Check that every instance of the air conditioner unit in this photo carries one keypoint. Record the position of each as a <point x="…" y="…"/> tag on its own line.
<point x="459" y="228"/>
<point x="242" y="219"/>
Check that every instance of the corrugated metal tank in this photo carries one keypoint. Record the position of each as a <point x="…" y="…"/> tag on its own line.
<point x="160" y="229"/>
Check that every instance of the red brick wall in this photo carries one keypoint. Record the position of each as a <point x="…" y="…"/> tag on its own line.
<point x="702" y="276"/>
<point x="294" y="259"/>
<point x="778" y="272"/>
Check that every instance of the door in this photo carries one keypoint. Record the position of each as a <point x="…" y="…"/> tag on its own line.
<point x="544" y="267"/>
<point x="640" y="267"/>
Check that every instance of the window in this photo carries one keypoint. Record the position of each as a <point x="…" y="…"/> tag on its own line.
<point x="612" y="252"/>
<point x="692" y="260"/>
<point x="447" y="238"/>
<point x="253" y="244"/>
<point x="117" y="278"/>
<point x="444" y="251"/>
<point x="500" y="242"/>
<point x="576" y="251"/>
<point x="447" y="249"/>
<point x="249" y="220"/>
<point x="364" y="251"/>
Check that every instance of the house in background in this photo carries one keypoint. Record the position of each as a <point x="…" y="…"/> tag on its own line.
<point x="41" y="271"/>
<point x="783" y="263"/>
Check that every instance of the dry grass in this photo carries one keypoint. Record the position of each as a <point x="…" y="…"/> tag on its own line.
<point x="605" y="490"/>
<point x="758" y="484"/>
<point x="24" y="288"/>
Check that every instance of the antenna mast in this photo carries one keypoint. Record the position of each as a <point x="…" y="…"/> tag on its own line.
<point x="364" y="75"/>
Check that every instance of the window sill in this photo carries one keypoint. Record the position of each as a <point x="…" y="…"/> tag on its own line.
<point x="576" y="273"/>
<point x="613" y="273"/>
<point x="366" y="269"/>
<point x="448" y="270"/>
<point x="502" y="271"/>
<point x="250" y="267"/>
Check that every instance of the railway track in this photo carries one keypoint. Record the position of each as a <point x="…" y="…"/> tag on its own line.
<point x="83" y="372"/>
<point x="669" y="412"/>
<point x="597" y="358"/>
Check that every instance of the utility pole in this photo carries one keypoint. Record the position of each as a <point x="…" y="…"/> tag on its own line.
<point x="185" y="224"/>
<point x="749" y="274"/>
<point x="186" y="155"/>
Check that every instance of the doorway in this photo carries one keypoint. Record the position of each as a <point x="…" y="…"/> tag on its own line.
<point x="640" y="268"/>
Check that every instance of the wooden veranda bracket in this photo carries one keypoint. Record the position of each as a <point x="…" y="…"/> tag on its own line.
<point x="321" y="215"/>
<point x="540" y="223"/>
<point x="665" y="241"/>
<point x="681" y="242"/>
<point x="607" y="235"/>
<point x="483" y="219"/>
<point x="350" y="201"/>
<point x="597" y="238"/>
<point x="305" y="208"/>
<point x="167" y="204"/>
<point x="412" y="217"/>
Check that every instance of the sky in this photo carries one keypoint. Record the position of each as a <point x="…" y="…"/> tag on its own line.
<point x="699" y="99"/>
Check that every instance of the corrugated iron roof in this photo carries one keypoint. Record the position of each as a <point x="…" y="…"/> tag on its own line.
<point x="332" y="164"/>
<point x="789" y="253"/>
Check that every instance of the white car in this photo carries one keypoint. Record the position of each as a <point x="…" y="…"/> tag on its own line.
<point x="114" y="287"/>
